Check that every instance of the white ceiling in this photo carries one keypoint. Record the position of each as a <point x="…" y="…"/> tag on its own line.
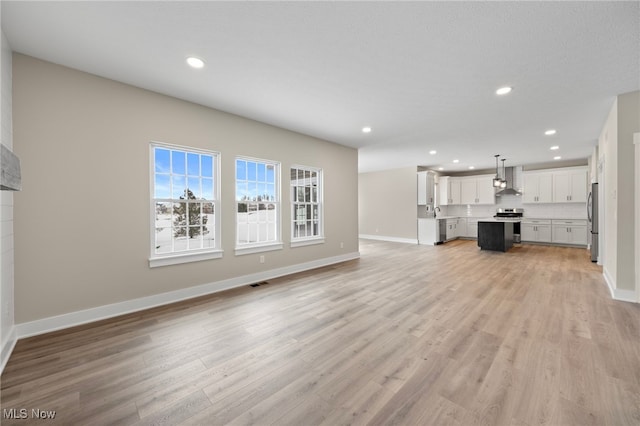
<point x="423" y="75"/>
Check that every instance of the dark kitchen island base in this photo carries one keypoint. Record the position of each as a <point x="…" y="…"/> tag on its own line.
<point x="495" y="235"/>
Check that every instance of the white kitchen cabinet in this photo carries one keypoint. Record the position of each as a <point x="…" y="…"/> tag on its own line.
<point x="426" y="188"/>
<point x="486" y="190"/>
<point x="452" y="229"/>
<point x="461" y="227"/>
<point x="536" y="230"/>
<point x="468" y="191"/>
<point x="449" y="190"/>
<point x="428" y="232"/>
<point x="569" y="232"/>
<point x="472" y="228"/>
<point x="477" y="190"/>
<point x="570" y="186"/>
<point x="538" y="187"/>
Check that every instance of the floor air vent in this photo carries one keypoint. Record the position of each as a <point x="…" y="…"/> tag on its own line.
<point x="258" y="284"/>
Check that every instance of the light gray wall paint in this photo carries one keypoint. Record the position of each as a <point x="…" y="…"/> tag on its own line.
<point x="83" y="215"/>
<point x="387" y="203"/>
<point x="6" y="208"/>
<point x="628" y="124"/>
<point x="608" y="183"/>
<point x="616" y="154"/>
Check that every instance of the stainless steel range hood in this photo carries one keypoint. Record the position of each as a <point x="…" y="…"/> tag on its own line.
<point x="10" y="179"/>
<point x="509" y="175"/>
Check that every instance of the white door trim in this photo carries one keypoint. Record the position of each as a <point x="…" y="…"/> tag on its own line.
<point x="636" y="141"/>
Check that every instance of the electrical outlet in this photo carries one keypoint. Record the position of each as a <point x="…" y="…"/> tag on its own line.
<point x="262" y="259"/>
<point x="341" y="245"/>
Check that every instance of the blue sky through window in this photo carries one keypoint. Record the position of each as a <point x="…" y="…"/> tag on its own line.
<point x="176" y="170"/>
<point x="255" y="180"/>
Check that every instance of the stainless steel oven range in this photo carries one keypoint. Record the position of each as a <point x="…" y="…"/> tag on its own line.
<point x="511" y="214"/>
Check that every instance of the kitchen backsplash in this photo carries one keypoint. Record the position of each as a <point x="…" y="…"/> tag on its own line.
<point x="541" y="211"/>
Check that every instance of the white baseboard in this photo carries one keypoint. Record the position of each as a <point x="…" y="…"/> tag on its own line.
<point x="390" y="239"/>
<point x="618" y="293"/>
<point x="72" y="319"/>
<point x="7" y="348"/>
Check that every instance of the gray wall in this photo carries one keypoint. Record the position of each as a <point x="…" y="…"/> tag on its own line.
<point x="387" y="203"/>
<point x="7" y="334"/>
<point x="616" y="174"/>
<point x="83" y="215"/>
<point x="607" y="186"/>
<point x="628" y="124"/>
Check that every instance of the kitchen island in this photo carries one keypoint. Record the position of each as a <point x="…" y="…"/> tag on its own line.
<point x="496" y="234"/>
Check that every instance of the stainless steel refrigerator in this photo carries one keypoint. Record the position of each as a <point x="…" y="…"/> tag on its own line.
<point x="592" y="215"/>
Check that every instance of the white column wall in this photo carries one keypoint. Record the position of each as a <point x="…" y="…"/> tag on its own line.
<point x="7" y="322"/>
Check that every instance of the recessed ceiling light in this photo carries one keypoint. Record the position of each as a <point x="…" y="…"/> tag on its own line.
<point x="195" y="62"/>
<point x="441" y="168"/>
<point x="503" y="90"/>
<point x="557" y="157"/>
<point x="433" y="152"/>
<point x="471" y="167"/>
<point x="555" y="147"/>
<point x="366" y="129"/>
<point x="550" y="132"/>
<point x="456" y="161"/>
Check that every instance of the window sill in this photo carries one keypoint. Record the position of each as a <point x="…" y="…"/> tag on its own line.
<point x="240" y="251"/>
<point x="154" y="262"/>
<point x="307" y="242"/>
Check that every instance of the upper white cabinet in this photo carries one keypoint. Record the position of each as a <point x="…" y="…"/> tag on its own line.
<point x="477" y="190"/>
<point x="426" y="188"/>
<point x="567" y="185"/>
<point x="538" y="187"/>
<point x="449" y="189"/>
<point x="570" y="186"/>
<point x="486" y="190"/>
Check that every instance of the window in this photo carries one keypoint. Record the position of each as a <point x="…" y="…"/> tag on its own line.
<point x="185" y="226"/>
<point x="258" y="205"/>
<point x="306" y="205"/>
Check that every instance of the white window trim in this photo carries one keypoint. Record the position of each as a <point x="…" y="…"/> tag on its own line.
<point x="308" y="241"/>
<point x="249" y="248"/>
<point x="316" y="239"/>
<point x="259" y="248"/>
<point x="165" y="259"/>
<point x="176" y="259"/>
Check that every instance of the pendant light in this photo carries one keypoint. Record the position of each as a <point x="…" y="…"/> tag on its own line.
<point x="503" y="182"/>
<point x="496" y="180"/>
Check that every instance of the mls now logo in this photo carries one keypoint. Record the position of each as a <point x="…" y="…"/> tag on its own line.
<point x="23" y="413"/>
<point x="36" y="413"/>
<point x="14" y="413"/>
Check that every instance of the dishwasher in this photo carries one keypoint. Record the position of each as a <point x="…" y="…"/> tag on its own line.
<point x="442" y="231"/>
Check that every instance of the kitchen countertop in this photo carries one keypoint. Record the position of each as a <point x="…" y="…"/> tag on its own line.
<point x="493" y="219"/>
<point x="554" y="218"/>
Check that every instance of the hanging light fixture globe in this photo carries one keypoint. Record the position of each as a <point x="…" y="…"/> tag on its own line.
<point x="503" y="183"/>
<point x="496" y="180"/>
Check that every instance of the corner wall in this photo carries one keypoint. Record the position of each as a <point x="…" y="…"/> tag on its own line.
<point x="628" y="124"/>
<point x="607" y="185"/>
<point x="7" y="329"/>
<point x="83" y="215"/>
<point x="387" y="205"/>
<point x="617" y="174"/>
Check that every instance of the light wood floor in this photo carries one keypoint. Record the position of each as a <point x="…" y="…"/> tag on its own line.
<point x="406" y="335"/>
